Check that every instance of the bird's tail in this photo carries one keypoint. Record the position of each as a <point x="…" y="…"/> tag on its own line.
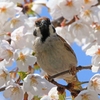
<point x="74" y="85"/>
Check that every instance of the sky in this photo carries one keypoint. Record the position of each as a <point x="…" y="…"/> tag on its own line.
<point x="2" y="97"/>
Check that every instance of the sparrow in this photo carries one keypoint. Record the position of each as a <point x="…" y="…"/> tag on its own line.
<point x="54" y="54"/>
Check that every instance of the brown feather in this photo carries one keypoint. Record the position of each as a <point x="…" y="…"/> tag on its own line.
<point x="67" y="46"/>
<point x="42" y="18"/>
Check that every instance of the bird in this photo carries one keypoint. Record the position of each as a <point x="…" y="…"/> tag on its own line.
<point x="54" y="54"/>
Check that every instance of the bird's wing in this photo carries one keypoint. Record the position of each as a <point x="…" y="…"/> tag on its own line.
<point x="67" y="46"/>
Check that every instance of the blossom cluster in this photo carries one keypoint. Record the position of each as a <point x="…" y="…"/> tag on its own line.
<point x="16" y="45"/>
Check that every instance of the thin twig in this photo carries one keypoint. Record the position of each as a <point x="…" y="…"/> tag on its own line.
<point x="85" y="82"/>
<point x="68" y="71"/>
<point x="2" y="89"/>
<point x="83" y="67"/>
<point x="71" y="21"/>
<point x="84" y="88"/>
<point x="97" y="3"/>
<point x="57" y="84"/>
<point x="57" y="22"/>
<point x="59" y="74"/>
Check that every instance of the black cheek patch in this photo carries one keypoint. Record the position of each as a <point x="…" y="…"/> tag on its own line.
<point x="45" y="34"/>
<point x="35" y="33"/>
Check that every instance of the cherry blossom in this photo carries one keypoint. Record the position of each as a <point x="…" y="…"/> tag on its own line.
<point x="63" y="32"/>
<point x="36" y="85"/>
<point x="53" y="95"/>
<point x="87" y="95"/>
<point x="7" y="9"/>
<point x="6" y="50"/>
<point x="40" y="2"/>
<point x="17" y="37"/>
<point x="80" y="31"/>
<point x="96" y="28"/>
<point x="72" y="6"/>
<point x="94" y="51"/>
<point x="17" y="21"/>
<point x="90" y="15"/>
<point x="37" y="7"/>
<point x="18" y="1"/>
<point x="22" y="37"/>
<point x="24" y="59"/>
<point x="14" y="92"/>
<point x="55" y="11"/>
<point x="89" y="3"/>
<point x="94" y="83"/>
<point x="4" y="74"/>
<point x="30" y="22"/>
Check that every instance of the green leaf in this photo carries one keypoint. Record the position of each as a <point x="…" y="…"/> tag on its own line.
<point x="22" y="74"/>
<point x="36" y="66"/>
<point x="36" y="98"/>
<point x="33" y="53"/>
<point x="62" y="96"/>
<point x="30" y="12"/>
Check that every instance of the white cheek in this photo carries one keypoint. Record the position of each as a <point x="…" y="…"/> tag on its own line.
<point x="51" y="29"/>
<point x="38" y="31"/>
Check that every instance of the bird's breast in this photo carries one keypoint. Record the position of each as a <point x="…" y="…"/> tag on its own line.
<point x="52" y="56"/>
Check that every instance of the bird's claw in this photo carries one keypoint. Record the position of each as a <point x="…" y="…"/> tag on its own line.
<point x="48" y="78"/>
<point x="73" y="70"/>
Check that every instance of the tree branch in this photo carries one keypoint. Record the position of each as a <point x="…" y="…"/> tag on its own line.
<point x="59" y="74"/>
<point x="97" y="3"/>
<point x="83" y="67"/>
<point x="2" y="89"/>
<point x="63" y="22"/>
<point x="69" y="87"/>
<point x="57" y="22"/>
<point x="69" y="71"/>
<point x="85" y="82"/>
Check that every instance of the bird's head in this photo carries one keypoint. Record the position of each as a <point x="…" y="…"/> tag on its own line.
<point x="43" y="28"/>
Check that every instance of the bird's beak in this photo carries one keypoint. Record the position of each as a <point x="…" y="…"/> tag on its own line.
<point x="44" y="24"/>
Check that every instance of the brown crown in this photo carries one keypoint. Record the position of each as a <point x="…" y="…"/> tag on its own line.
<point x="42" y="18"/>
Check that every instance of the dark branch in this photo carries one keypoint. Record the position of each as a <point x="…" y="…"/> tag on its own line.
<point x="85" y="82"/>
<point x="57" y="22"/>
<point x="60" y="21"/>
<point x="51" y="78"/>
<point x="57" y="84"/>
<point x="59" y="74"/>
<point x="68" y="71"/>
<point x="69" y="87"/>
<point x="2" y="89"/>
<point x="97" y="3"/>
<point x="71" y="21"/>
<point x="83" y="67"/>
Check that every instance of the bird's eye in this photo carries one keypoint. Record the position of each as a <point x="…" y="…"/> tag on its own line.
<point x="37" y="23"/>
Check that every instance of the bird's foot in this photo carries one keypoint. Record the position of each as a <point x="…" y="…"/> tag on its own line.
<point x="48" y="78"/>
<point x="73" y="70"/>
